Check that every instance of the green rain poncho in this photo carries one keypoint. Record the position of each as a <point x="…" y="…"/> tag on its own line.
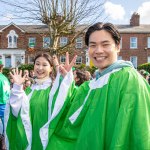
<point x="4" y="89"/>
<point x="110" y="113"/>
<point x="27" y="112"/>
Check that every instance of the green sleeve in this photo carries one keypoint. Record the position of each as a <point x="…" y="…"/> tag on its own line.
<point x="133" y="121"/>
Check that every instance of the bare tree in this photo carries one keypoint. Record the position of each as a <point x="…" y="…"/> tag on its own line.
<point x="63" y="17"/>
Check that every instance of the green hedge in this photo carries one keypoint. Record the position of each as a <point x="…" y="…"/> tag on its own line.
<point x="22" y="67"/>
<point x="6" y="72"/>
<point x="26" y="67"/>
<point x="145" y="66"/>
<point x="88" y="68"/>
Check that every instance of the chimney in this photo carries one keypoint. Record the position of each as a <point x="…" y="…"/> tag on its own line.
<point x="135" y="19"/>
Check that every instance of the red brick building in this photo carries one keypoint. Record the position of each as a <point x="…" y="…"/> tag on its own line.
<point x="20" y="43"/>
<point x="135" y="42"/>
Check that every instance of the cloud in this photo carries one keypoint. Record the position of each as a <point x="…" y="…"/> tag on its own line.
<point x="144" y="11"/>
<point x="114" y="11"/>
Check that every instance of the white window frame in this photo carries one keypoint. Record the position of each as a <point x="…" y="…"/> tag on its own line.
<point x="79" y="60"/>
<point x="79" y="42"/>
<point x="133" y="44"/>
<point x="13" y="43"/>
<point x="148" y="42"/>
<point x="46" y="42"/>
<point x="32" y="40"/>
<point x="62" y="59"/>
<point x="148" y="59"/>
<point x="135" y="65"/>
<point x="63" y="41"/>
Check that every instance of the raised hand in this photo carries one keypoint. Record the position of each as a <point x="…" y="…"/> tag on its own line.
<point x="17" y="76"/>
<point x="64" y="69"/>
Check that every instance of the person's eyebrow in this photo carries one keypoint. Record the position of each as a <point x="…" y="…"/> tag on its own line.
<point x="37" y="61"/>
<point x="105" y="41"/>
<point x="92" y="42"/>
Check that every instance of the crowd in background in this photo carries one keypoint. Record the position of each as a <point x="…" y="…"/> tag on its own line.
<point x="80" y="76"/>
<point x="145" y="74"/>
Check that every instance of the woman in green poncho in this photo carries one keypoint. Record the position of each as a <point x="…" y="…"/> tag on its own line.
<point x="28" y="111"/>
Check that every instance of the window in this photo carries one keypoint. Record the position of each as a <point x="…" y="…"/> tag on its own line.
<point x="31" y="59"/>
<point x="148" y="42"/>
<point x="8" y="61"/>
<point x="133" y="59"/>
<point x="87" y="58"/>
<point x="32" y="42"/>
<point x="18" y="60"/>
<point x="79" y="42"/>
<point x="79" y="60"/>
<point x="119" y="57"/>
<point x="12" y="39"/>
<point x="133" y="42"/>
<point x="63" y="41"/>
<point x="62" y="59"/>
<point x="46" y="42"/>
<point x="148" y="59"/>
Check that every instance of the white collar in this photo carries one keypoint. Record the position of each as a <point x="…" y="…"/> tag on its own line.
<point x="43" y="80"/>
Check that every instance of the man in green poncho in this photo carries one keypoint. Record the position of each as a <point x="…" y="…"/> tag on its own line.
<point x="4" y="96"/>
<point x="111" y="112"/>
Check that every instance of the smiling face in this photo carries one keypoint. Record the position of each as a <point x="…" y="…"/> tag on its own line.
<point x="102" y="49"/>
<point x="42" y="68"/>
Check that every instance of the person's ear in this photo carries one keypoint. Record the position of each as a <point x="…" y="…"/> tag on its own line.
<point x="118" y="48"/>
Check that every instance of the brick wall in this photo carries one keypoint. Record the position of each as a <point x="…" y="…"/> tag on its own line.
<point x="126" y="52"/>
<point x="141" y="52"/>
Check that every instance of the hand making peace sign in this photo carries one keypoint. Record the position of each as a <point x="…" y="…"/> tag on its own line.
<point x="64" y="69"/>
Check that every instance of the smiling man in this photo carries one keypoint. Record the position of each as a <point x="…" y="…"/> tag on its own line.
<point x="103" y="49"/>
<point x="111" y="112"/>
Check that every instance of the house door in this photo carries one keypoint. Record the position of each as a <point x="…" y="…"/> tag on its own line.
<point x="8" y="61"/>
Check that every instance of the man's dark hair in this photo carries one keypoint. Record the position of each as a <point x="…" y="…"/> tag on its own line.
<point x="103" y="26"/>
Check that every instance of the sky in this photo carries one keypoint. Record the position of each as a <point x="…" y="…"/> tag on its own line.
<point x="115" y="11"/>
<point x="120" y="11"/>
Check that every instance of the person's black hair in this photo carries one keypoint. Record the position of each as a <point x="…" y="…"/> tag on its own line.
<point x="103" y="26"/>
<point x="81" y="76"/>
